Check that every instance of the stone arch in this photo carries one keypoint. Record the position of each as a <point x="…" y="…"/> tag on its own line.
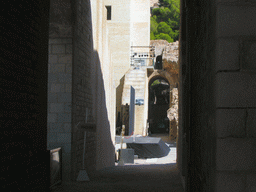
<point x="157" y="74"/>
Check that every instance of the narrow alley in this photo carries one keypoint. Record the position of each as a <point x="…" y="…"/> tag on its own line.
<point x="152" y="174"/>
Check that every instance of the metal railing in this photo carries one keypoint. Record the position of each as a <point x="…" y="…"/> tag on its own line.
<point x="142" y="56"/>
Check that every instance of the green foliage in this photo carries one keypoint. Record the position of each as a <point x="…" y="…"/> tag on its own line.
<point x="164" y="37"/>
<point x="155" y="83"/>
<point x="152" y="36"/>
<point x="165" y="21"/>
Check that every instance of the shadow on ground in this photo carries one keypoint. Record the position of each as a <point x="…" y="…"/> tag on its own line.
<point x="129" y="178"/>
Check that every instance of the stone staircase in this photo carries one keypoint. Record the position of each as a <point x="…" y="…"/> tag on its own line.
<point x="137" y="79"/>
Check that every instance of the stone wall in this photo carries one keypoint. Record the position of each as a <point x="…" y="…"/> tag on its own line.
<point x="197" y="123"/>
<point x="153" y="2"/>
<point x="60" y="65"/>
<point x="102" y="77"/>
<point x="82" y="99"/>
<point x="217" y="95"/>
<point x="235" y="96"/>
<point x="60" y="96"/>
<point x="69" y="83"/>
<point x="172" y="113"/>
<point x="23" y="119"/>
<point x="170" y="51"/>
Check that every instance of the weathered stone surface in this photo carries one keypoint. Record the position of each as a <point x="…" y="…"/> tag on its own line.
<point x="251" y="182"/>
<point x="229" y="182"/>
<point x="235" y="90"/>
<point x="251" y="123"/>
<point x="249" y="55"/>
<point x="236" y="154"/>
<point x="227" y="54"/>
<point x="58" y="49"/>
<point x="51" y="117"/>
<point x="234" y="20"/>
<point x="170" y="50"/>
<point x="172" y="112"/>
<point x="64" y="117"/>
<point x="230" y="122"/>
<point x="64" y="137"/>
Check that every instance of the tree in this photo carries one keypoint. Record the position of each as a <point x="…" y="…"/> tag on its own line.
<point x="166" y="20"/>
<point x="164" y="37"/>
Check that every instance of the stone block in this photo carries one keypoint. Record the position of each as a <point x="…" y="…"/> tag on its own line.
<point x="251" y="123"/>
<point x="52" y="77"/>
<point x="51" y="137"/>
<point x="248" y="60"/>
<point x="64" y="97"/>
<point x="234" y="20"/>
<point x="236" y="154"/>
<point x="49" y="49"/>
<point x="67" y="107"/>
<point x="235" y="90"/>
<point x="56" y="68"/>
<point x="52" y="97"/>
<point x="55" y="127"/>
<point x="57" y="107"/>
<point x="64" y="137"/>
<point x="227" y="54"/>
<point x="69" y="68"/>
<point x="66" y="174"/>
<point x="56" y="88"/>
<point x="52" y="58"/>
<point x="65" y="78"/>
<point x="60" y="41"/>
<point x="67" y="127"/>
<point x="251" y="182"/>
<point x="51" y="117"/>
<point x="66" y="158"/>
<point x="52" y="146"/>
<point x="66" y="169"/>
<point x="68" y="88"/>
<point x="65" y="58"/>
<point x="66" y="147"/>
<point x="69" y="48"/>
<point x="58" y="49"/>
<point x="230" y="122"/>
<point x="230" y="182"/>
<point x="64" y="117"/>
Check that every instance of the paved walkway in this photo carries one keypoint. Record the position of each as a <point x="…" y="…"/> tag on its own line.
<point x="149" y="175"/>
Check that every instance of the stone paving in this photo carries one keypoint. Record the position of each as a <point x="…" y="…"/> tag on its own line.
<point x="153" y="175"/>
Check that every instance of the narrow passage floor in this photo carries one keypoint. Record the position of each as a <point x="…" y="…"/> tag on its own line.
<point x="130" y="178"/>
<point x="162" y="176"/>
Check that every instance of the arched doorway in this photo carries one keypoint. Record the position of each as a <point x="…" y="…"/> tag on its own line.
<point x="158" y="104"/>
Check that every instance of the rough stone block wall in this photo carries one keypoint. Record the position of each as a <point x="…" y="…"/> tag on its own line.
<point x="235" y="96"/>
<point x="89" y="150"/>
<point x="23" y="87"/>
<point x="60" y="98"/>
<point x="172" y="114"/>
<point x="199" y="62"/>
<point x="82" y="87"/>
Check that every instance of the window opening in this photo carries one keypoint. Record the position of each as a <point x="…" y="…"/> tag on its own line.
<point x="108" y="12"/>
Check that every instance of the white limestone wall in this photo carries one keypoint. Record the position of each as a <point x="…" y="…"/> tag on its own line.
<point x="119" y="36"/>
<point x="103" y="89"/>
<point x="140" y="22"/>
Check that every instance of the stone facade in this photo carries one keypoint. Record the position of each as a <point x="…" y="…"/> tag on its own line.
<point x="169" y="51"/>
<point x="217" y="95"/>
<point x="73" y="90"/>
<point x="23" y="119"/>
<point x="216" y="147"/>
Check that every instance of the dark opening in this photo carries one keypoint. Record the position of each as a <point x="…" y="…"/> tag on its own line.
<point x="108" y="12"/>
<point x="159" y="91"/>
